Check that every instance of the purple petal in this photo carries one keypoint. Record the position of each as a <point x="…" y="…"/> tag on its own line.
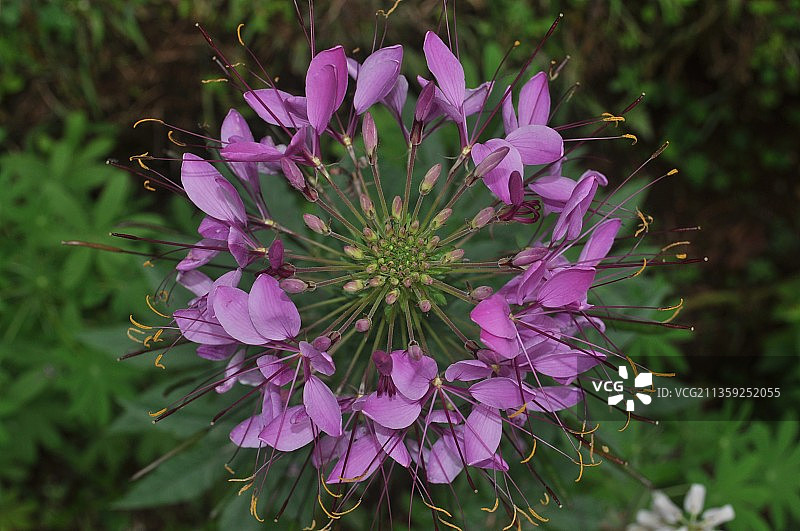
<point x="507" y="348"/>
<point x="250" y="152"/>
<point x="565" y="365"/>
<point x="509" y="116"/>
<point x="209" y="190"/>
<point x="391" y="442"/>
<point x="230" y="307"/>
<point x="274" y="369"/>
<point x="320" y="361"/>
<point x="570" y="220"/>
<point x="497" y="179"/>
<point x="197" y="256"/>
<point x="216" y="352"/>
<point x="445" y="417"/>
<point x="493" y="315"/>
<point x="322" y="407"/>
<point x="396" y="412"/>
<point x="482" y="433"/>
<point x="197" y="328"/>
<point x="245" y="434"/>
<point x="288" y="431"/>
<point x="599" y="242"/>
<point x="476" y="97"/>
<point x="195" y="281"/>
<point x="554" y="190"/>
<point x="235" y="129"/>
<point x="502" y="393"/>
<point x="277" y="107"/>
<point x="230" y="279"/>
<point x="213" y="229"/>
<point x="396" y="98"/>
<point x="565" y="287"/>
<point x="273" y="314"/>
<point x="537" y="144"/>
<point x="231" y="371"/>
<point x="446" y="69"/>
<point x="534" y="101"/>
<point x="555" y="398"/>
<point x="240" y="247"/>
<point x="275" y="254"/>
<point x="377" y="77"/>
<point x="443" y="463"/>
<point x="412" y="378"/>
<point x="357" y="464"/>
<point x="467" y="370"/>
<point x="326" y="85"/>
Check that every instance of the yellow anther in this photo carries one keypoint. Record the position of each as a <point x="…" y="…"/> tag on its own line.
<point x="466" y="151"/>
<point x="519" y="411"/>
<point x="157" y="413"/>
<point x="215" y="80"/>
<point x="605" y="449"/>
<point x="245" y="487"/>
<point x="681" y="256"/>
<point x="675" y="244"/>
<point x="546" y="499"/>
<point x="448" y="524"/>
<point x="385" y="14"/>
<point x="139" y="325"/>
<point x="644" y="226"/>
<point x="516" y="43"/>
<point x="673" y="171"/>
<point x="583" y="430"/>
<point x="528" y="518"/>
<point x="157" y="335"/>
<point x="513" y="521"/>
<point x="350" y="510"/>
<point x="248" y="478"/>
<point x="580" y="472"/>
<point x="493" y="509"/>
<point x="670" y="308"/>
<point x="150" y="305"/>
<point x="170" y="135"/>
<point x="132" y="338"/>
<point x="530" y="455"/>
<point x="608" y="117"/>
<point x="352" y="480"/>
<point x="147" y="186"/>
<point x="138" y="158"/>
<point x="158" y="362"/>
<point x="674" y="315"/>
<point x="229" y="469"/>
<point x="632" y="137"/>
<point x="347" y="141"/>
<point x="435" y="508"/>
<point x="311" y="527"/>
<point x="157" y="120"/>
<point x="254" y="508"/>
<point x="239" y="33"/>
<point x="437" y="382"/>
<point x="538" y="517"/>
<point x="148" y="263"/>
<point x="627" y="422"/>
<point x="641" y="269"/>
<point x="324" y="486"/>
<point x="355" y="50"/>
<point x="319" y="500"/>
<point x="147" y="340"/>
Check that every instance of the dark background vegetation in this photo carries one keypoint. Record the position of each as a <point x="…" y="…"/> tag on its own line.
<point x="722" y="80"/>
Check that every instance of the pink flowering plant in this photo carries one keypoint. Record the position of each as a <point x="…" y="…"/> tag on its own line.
<point x="391" y="333"/>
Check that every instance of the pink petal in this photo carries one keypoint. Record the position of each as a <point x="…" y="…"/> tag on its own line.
<point x="497" y="179"/>
<point x="272" y="313"/>
<point x="537" y="144"/>
<point x="197" y="328"/>
<point x="391" y="442"/>
<point x="467" y="370"/>
<point x="245" y="434"/>
<point x="412" y="378"/>
<point x="251" y="152"/>
<point x="565" y="365"/>
<point x="200" y="256"/>
<point x="357" y="464"/>
<point x="216" y="352"/>
<point x="377" y="77"/>
<point x="277" y="107"/>
<point x="288" y="431"/>
<point x="322" y="406"/>
<point x="507" y="348"/>
<point x="231" y="370"/>
<point x="555" y="398"/>
<point x="230" y="307"/>
<point x="195" y="281"/>
<point x="274" y="369"/>
<point x="326" y="85"/>
<point x="209" y="190"/>
<point x="502" y="393"/>
<point x="213" y="228"/>
<point x="493" y="315"/>
<point x="443" y="463"/>
<point x="396" y="412"/>
<point x="599" y="242"/>
<point x="554" y="190"/>
<point x="482" y="433"/>
<point x="446" y="69"/>
<point x="534" y="101"/>
<point x="509" y="116"/>
<point x="235" y="129"/>
<point x="320" y="361"/>
<point x="565" y="287"/>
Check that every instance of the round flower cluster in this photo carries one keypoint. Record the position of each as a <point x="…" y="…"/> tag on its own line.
<point x="373" y="337"/>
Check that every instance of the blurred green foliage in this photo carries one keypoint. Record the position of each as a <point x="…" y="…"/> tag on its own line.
<point x="723" y="85"/>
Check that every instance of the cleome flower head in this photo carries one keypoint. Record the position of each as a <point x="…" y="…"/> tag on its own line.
<point x="381" y="348"/>
<point x="665" y="515"/>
